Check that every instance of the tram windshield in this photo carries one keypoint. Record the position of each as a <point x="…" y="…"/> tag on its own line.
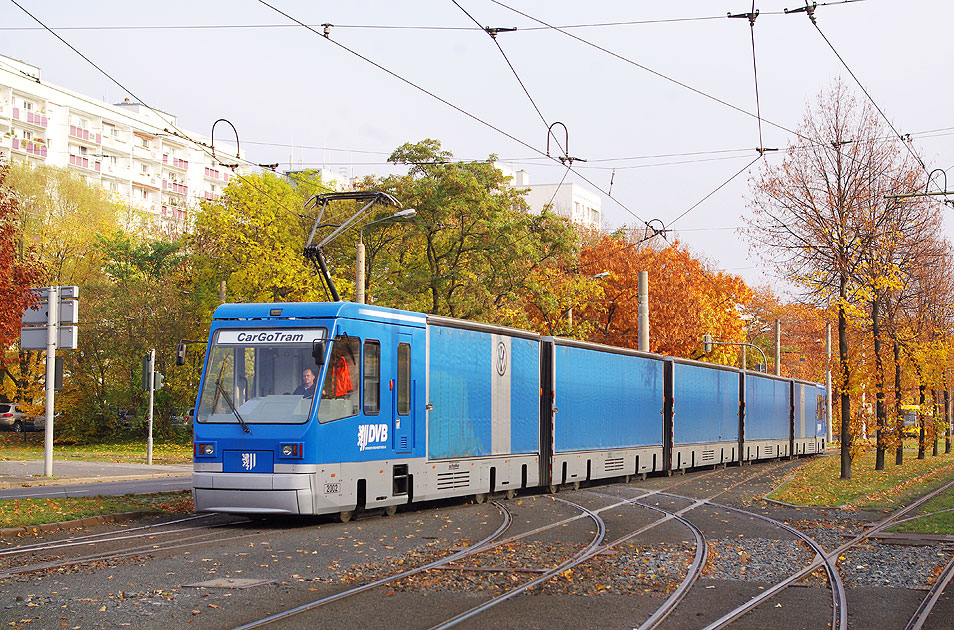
<point x="260" y="376"/>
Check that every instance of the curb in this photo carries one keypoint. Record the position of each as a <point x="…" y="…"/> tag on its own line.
<point x="15" y="532"/>
<point x="39" y="482"/>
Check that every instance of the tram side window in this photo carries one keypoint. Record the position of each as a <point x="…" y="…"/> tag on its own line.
<point x="404" y="379"/>
<point x="372" y="377"/>
<point x="339" y="394"/>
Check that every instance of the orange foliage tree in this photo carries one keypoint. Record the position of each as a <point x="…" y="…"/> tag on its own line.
<point x="686" y="299"/>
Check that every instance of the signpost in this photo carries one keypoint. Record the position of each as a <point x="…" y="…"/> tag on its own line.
<point x="50" y="325"/>
<point x="151" y="381"/>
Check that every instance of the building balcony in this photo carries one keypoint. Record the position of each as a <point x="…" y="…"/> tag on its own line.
<point x="82" y="162"/>
<point x="28" y="146"/>
<point x="79" y="133"/>
<point x="173" y="212"/>
<point x="40" y="120"/>
<point x="173" y="187"/>
<point x="211" y="197"/>
<point x="175" y="162"/>
<point x="115" y="143"/>
<point x="145" y="181"/>
<point x="142" y="153"/>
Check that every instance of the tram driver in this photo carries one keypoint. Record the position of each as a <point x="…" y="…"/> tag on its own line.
<point x="307" y="387"/>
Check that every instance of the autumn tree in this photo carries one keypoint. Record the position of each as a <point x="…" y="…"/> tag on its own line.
<point x="60" y="218"/>
<point x="687" y="299"/>
<point x="811" y="213"/>
<point x="19" y="270"/>
<point x="253" y="238"/>
<point x="803" y="333"/>
<point x="473" y="248"/>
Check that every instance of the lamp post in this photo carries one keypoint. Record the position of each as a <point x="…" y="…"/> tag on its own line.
<point x="569" y="312"/>
<point x="360" y="257"/>
<point x="708" y="342"/>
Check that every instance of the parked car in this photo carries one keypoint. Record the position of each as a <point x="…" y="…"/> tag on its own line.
<point x="183" y="420"/>
<point x="11" y="418"/>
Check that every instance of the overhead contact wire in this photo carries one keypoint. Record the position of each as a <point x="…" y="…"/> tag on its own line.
<point x="645" y="68"/>
<point x="546" y="123"/>
<point x="755" y="73"/>
<point x="445" y="102"/>
<point x="870" y="98"/>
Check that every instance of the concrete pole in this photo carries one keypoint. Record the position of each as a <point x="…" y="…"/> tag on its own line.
<point x="52" y="334"/>
<point x="828" y="378"/>
<point x="778" y="347"/>
<point x="643" y="311"/>
<point x="222" y="292"/>
<point x="152" y="391"/>
<point x="359" y="274"/>
<point x="744" y="356"/>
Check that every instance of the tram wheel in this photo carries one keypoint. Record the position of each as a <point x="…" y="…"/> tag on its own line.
<point x="511" y="494"/>
<point x="345" y="516"/>
<point x="390" y="510"/>
<point x="553" y="489"/>
<point x="575" y="485"/>
<point x="479" y="498"/>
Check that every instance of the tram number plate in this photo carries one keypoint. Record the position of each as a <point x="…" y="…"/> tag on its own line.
<point x="331" y="488"/>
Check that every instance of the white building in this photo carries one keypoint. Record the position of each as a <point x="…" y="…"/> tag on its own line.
<point x="336" y="181"/>
<point x="128" y="149"/>
<point x="570" y="200"/>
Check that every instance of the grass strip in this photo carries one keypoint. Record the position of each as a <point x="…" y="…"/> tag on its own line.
<point x="39" y="511"/>
<point x="14" y="447"/>
<point x="818" y="482"/>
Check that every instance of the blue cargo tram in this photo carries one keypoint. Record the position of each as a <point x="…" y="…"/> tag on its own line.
<point x="318" y="408"/>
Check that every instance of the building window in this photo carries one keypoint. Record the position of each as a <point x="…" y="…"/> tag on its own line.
<point x="144" y="143"/>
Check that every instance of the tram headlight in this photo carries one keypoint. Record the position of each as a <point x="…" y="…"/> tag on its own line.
<point x="292" y="450"/>
<point x="204" y="449"/>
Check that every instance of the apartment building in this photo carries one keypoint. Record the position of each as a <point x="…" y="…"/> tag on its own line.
<point x="133" y="152"/>
<point x="577" y="203"/>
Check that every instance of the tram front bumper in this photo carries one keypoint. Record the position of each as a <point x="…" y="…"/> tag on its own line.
<point x="248" y="493"/>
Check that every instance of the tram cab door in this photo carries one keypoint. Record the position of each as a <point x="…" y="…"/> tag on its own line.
<point x="402" y="397"/>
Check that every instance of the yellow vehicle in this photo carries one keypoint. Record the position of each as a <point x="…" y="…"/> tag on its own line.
<point x="909" y="416"/>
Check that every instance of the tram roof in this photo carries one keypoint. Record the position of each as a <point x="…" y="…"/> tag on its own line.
<point x="313" y="310"/>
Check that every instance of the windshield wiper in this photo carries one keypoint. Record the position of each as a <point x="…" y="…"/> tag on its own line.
<point x="238" y="416"/>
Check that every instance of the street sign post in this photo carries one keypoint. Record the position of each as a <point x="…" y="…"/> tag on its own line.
<point x="51" y="325"/>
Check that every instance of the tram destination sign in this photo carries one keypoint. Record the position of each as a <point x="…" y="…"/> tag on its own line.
<point x="284" y="336"/>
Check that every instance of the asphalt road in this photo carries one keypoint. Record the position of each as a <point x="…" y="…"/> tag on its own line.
<point x="109" y="488"/>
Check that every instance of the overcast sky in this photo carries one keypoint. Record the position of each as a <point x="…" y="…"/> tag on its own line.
<point x="295" y="97"/>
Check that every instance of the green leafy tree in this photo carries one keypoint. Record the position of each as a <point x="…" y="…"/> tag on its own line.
<point x="253" y="240"/>
<point x="473" y="250"/>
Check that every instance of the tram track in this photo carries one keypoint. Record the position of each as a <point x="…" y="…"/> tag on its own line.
<point x="180" y="543"/>
<point x="839" y="597"/>
<point x="105" y="537"/>
<point x="923" y="610"/>
<point x="593" y="549"/>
